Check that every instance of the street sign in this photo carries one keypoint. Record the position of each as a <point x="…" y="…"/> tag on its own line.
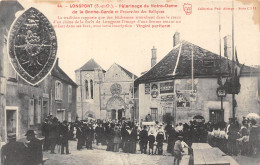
<point x="221" y="92"/>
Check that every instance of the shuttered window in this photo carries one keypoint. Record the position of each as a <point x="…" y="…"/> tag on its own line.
<point x="31" y="112"/>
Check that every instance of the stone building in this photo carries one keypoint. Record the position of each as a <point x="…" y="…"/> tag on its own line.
<point x="104" y="94"/>
<point x="167" y="90"/>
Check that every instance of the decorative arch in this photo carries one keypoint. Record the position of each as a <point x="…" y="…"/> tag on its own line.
<point x="116" y="103"/>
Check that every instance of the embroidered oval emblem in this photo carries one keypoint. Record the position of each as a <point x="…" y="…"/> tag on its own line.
<point x="32" y="46"/>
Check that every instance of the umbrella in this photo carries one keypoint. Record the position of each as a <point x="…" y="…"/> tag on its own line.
<point x="251" y="116"/>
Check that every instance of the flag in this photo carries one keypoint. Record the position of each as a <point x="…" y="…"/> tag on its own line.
<point x="229" y="69"/>
<point x="220" y="80"/>
<point x="237" y="62"/>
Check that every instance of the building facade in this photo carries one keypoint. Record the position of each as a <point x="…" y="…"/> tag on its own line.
<point x="167" y="89"/>
<point x="104" y="94"/>
<point x="23" y="106"/>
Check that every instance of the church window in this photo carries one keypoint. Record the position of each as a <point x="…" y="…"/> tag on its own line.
<point x="91" y="89"/>
<point x="87" y="90"/>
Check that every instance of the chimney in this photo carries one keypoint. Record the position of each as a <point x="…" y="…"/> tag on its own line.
<point x="153" y="59"/>
<point x="176" y="38"/>
<point x="227" y="47"/>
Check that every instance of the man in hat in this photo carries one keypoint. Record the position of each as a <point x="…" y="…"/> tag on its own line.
<point x="12" y="152"/>
<point x="64" y="134"/>
<point x="159" y="140"/>
<point x="143" y="136"/>
<point x="45" y="133"/>
<point x="34" y="156"/>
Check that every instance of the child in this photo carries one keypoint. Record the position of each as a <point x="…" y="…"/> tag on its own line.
<point x="159" y="140"/>
<point x="177" y="150"/>
<point x="151" y="139"/>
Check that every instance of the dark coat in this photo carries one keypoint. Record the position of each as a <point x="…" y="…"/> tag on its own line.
<point x="53" y="131"/>
<point x="13" y="153"/>
<point x="133" y="135"/>
<point x="34" y="152"/>
<point x="64" y="133"/>
<point x="143" y="136"/>
<point x="151" y="139"/>
<point x="160" y="138"/>
<point x="79" y="133"/>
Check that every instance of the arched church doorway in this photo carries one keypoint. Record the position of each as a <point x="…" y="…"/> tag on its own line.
<point x="116" y="106"/>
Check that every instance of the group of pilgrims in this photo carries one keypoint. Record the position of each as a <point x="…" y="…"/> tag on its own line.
<point x="117" y="135"/>
<point x="125" y="135"/>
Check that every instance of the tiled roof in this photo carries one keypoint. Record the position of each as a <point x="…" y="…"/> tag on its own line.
<point x="130" y="74"/>
<point x="91" y="65"/>
<point x="59" y="73"/>
<point x="206" y="64"/>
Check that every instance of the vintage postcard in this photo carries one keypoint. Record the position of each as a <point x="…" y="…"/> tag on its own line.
<point x="129" y="82"/>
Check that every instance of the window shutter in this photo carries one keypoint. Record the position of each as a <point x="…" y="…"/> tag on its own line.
<point x="39" y="110"/>
<point x="31" y="111"/>
<point x="69" y="94"/>
<point x="56" y="90"/>
<point x="61" y="91"/>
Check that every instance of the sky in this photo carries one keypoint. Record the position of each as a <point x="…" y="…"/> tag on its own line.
<point x="131" y="48"/>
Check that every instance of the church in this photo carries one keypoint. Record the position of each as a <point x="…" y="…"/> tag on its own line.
<point x="104" y="94"/>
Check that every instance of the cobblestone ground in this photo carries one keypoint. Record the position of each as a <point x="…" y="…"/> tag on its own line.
<point x="99" y="156"/>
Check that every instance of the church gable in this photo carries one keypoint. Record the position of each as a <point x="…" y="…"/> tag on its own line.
<point x="116" y="73"/>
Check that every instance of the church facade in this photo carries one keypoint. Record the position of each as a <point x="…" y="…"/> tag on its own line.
<point x="104" y="94"/>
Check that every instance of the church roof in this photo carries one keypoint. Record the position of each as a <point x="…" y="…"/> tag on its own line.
<point x="177" y="64"/>
<point x="130" y="74"/>
<point x="91" y="65"/>
<point x="59" y="73"/>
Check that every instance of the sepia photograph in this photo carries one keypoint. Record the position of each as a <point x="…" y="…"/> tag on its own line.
<point x="129" y="82"/>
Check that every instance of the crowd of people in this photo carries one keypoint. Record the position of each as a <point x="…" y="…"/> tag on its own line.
<point x="235" y="138"/>
<point x="124" y="135"/>
<point x="231" y="138"/>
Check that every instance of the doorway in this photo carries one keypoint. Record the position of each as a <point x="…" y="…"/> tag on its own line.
<point x="120" y="114"/>
<point x="113" y="114"/>
<point x="11" y="120"/>
<point x="216" y="115"/>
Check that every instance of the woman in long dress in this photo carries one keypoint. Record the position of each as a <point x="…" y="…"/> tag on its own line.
<point x="116" y="139"/>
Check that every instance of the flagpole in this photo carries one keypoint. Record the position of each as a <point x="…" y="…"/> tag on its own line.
<point x="192" y="70"/>
<point x="220" y="59"/>
<point x="233" y="66"/>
